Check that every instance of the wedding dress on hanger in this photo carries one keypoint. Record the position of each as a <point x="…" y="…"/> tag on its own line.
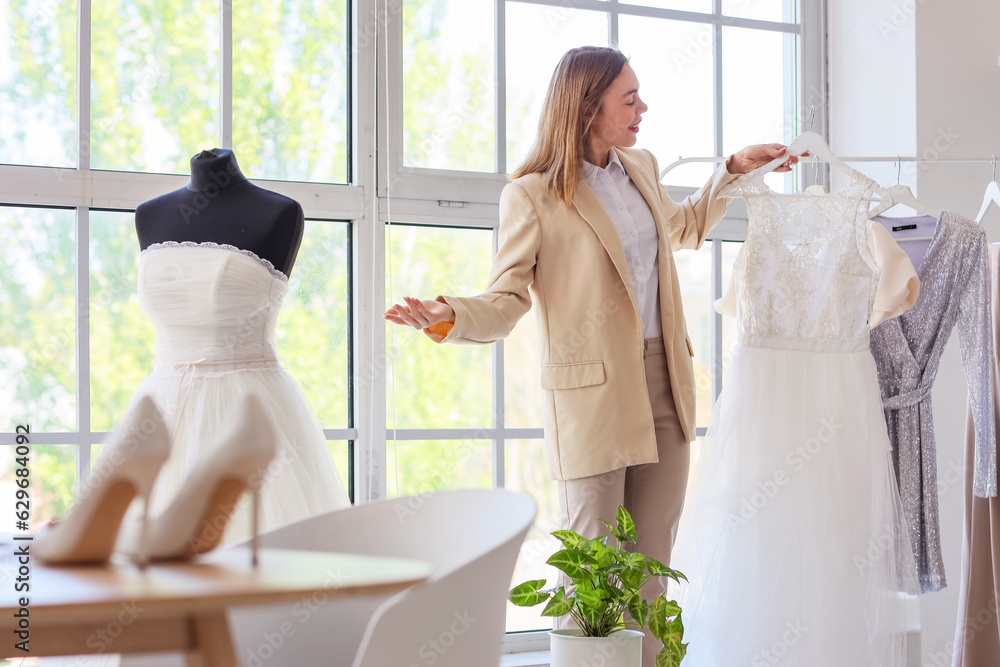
<point x="793" y="538"/>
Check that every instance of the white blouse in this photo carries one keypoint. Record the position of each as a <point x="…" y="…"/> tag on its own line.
<point x="633" y="219"/>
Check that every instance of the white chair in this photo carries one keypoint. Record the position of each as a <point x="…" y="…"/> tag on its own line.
<point x="456" y="618"/>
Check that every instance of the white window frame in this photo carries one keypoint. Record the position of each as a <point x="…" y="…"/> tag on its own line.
<point x="420" y="196"/>
<point x="84" y="189"/>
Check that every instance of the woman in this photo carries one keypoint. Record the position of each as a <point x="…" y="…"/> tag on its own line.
<point x="586" y="232"/>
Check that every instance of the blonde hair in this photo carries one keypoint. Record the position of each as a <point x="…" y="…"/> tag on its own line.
<point x="572" y="102"/>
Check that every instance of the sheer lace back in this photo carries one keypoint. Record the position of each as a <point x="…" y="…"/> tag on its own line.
<point x="805" y="270"/>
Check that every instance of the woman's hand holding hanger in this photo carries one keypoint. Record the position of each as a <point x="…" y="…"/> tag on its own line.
<point x="758" y="155"/>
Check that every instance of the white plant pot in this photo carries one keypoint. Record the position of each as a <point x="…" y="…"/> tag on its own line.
<point x="569" y="648"/>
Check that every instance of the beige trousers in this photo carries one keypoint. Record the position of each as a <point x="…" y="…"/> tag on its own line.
<point x="653" y="493"/>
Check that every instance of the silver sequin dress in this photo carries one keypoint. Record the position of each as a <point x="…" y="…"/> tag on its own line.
<point x="954" y="289"/>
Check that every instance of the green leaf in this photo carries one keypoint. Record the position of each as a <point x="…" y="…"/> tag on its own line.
<point x="614" y="531"/>
<point x="528" y="594"/>
<point x="671" y="608"/>
<point x="626" y="526"/>
<point x="637" y="560"/>
<point x="569" y="539"/>
<point x="572" y="563"/>
<point x="632" y="577"/>
<point x="674" y="649"/>
<point x="677" y="628"/>
<point x="639" y="609"/>
<point x="658" y="619"/>
<point x="656" y="568"/>
<point x="671" y="655"/>
<point x="558" y="605"/>
<point x="590" y="597"/>
<point x="601" y="554"/>
<point x="612" y="590"/>
<point x="595" y="620"/>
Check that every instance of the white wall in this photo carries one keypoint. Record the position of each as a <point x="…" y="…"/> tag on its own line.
<point x="872" y="83"/>
<point x="922" y="78"/>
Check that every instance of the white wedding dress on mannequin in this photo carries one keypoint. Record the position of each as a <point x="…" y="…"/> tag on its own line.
<point x="215" y="308"/>
<point x="793" y="537"/>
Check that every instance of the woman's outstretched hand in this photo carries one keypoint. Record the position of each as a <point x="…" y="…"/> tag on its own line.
<point x="419" y="314"/>
<point x="758" y="155"/>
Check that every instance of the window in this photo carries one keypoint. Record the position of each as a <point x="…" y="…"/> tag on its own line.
<point x="468" y="114"/>
<point x="75" y="345"/>
<point x="38" y="76"/>
<point x="402" y="202"/>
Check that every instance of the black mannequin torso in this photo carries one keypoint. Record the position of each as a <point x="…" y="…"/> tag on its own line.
<point x="220" y="205"/>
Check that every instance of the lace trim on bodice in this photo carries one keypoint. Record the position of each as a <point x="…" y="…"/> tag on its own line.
<point x="753" y="184"/>
<point x="219" y="246"/>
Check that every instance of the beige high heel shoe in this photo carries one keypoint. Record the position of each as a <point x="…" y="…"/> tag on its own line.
<point x="195" y="520"/>
<point x="126" y="469"/>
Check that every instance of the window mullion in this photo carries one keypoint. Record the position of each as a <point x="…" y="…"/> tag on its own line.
<point x="83" y="84"/>
<point x="226" y="75"/>
<point x="717" y="78"/>
<point x="613" y="23"/>
<point x="370" y="352"/>
<point x="500" y="72"/>
<point x="83" y="344"/>
<point x="83" y="46"/>
<point x="498" y="402"/>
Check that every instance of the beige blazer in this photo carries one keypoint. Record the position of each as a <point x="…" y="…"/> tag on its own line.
<point x="568" y="260"/>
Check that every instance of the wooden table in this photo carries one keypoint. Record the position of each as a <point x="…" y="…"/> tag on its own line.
<point x="182" y="606"/>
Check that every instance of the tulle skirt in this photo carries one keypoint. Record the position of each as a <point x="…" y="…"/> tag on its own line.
<point x="793" y="537"/>
<point x="300" y="481"/>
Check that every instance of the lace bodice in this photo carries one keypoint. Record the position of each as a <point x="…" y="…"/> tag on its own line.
<point x="808" y="269"/>
<point x="214" y="306"/>
<point x="220" y="246"/>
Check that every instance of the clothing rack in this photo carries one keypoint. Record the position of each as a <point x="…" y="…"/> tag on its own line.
<point x="806" y="160"/>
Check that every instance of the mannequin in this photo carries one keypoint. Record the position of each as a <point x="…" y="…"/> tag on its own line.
<point x="220" y="205"/>
<point x="215" y="308"/>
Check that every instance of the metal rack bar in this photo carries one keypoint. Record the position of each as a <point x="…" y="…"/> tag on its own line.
<point x="889" y="158"/>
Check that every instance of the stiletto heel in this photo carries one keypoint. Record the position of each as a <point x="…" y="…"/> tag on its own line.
<point x="143" y="558"/>
<point x="255" y="525"/>
<point x="196" y="518"/>
<point x="126" y="469"/>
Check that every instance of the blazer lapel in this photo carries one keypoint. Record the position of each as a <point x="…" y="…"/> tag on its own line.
<point x="590" y="209"/>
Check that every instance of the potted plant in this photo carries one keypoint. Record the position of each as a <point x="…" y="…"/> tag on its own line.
<point x="607" y="581"/>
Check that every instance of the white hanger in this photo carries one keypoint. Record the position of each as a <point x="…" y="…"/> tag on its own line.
<point x="902" y="194"/>
<point x="807" y="142"/>
<point x="815" y="145"/>
<point x="992" y="194"/>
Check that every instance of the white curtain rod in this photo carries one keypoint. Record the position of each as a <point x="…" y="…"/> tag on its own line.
<point x="892" y="158"/>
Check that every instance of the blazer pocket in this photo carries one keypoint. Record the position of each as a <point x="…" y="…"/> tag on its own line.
<point x="572" y="376"/>
<point x="690" y="346"/>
